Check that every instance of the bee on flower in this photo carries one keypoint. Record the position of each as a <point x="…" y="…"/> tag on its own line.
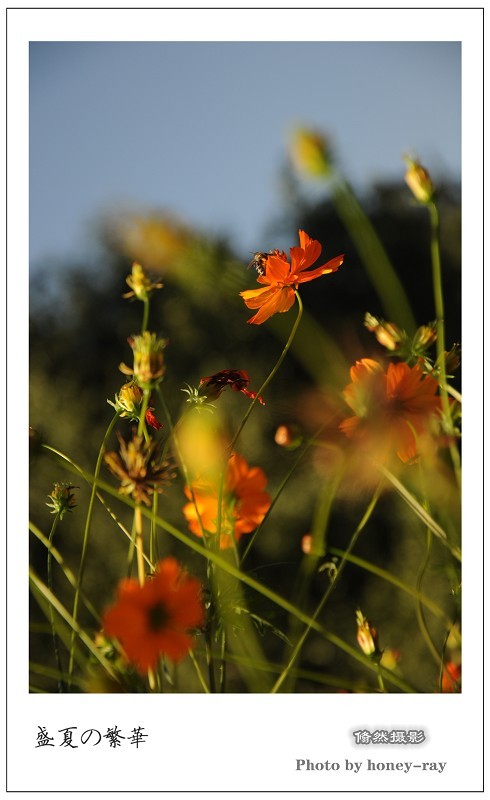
<point x="281" y="278"/>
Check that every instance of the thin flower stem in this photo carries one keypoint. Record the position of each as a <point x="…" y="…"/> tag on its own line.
<point x="222" y="666"/>
<point x="154" y="556"/>
<point x="420" y="511"/>
<point x="272" y="373"/>
<point x="333" y="584"/>
<point x="51" y="612"/>
<point x="420" y="613"/>
<point x="296" y="463"/>
<point x="146" y="314"/>
<point x="210" y="659"/>
<point x="66" y="570"/>
<point x="375" y="259"/>
<point x="138" y="524"/>
<point x="86" y="535"/>
<point x="404" y="587"/>
<point x="183" y="465"/>
<point x="440" y="342"/>
<point x="381" y="682"/>
<point x="198" y="672"/>
<point x="141" y="422"/>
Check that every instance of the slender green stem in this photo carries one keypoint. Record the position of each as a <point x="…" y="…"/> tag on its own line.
<point x="222" y="666"/>
<point x="142" y="420"/>
<point x="272" y="373"/>
<point x="440" y="328"/>
<point x="86" y="535"/>
<point x="198" y="672"/>
<point x="420" y="612"/>
<point x="420" y="511"/>
<point x="375" y="259"/>
<point x="66" y="570"/>
<point x="327" y="594"/>
<point x="387" y="576"/>
<point x="51" y="612"/>
<point x="146" y="314"/>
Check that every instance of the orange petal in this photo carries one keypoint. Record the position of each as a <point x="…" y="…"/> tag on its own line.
<point x="281" y="300"/>
<point x="254" y="298"/>
<point x="325" y="269"/>
<point x="277" y="269"/>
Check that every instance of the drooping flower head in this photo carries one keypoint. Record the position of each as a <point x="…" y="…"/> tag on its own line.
<point x="140" y="468"/>
<point x="281" y="278"/>
<point x="238" y="379"/>
<point x="244" y="502"/>
<point x="128" y="404"/>
<point x="394" y="410"/>
<point x="154" y="620"/>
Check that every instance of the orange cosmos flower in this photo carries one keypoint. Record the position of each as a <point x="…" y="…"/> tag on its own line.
<point x="393" y="409"/>
<point x="244" y="502"/>
<point x="153" y="620"/>
<point x="281" y="278"/>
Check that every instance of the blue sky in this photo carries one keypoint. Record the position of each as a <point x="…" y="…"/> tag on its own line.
<point x="200" y="129"/>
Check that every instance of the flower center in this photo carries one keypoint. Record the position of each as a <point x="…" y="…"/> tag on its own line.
<point x="157" y="617"/>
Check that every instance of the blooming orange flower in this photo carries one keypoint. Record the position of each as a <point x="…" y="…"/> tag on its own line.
<point x="282" y="278"/>
<point x="153" y="620"/>
<point x="393" y="409"/>
<point x="244" y="502"/>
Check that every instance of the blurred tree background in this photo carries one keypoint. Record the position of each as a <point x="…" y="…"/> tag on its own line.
<point x="79" y="329"/>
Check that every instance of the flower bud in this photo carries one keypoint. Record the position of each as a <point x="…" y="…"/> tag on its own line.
<point x="128" y="401"/>
<point x="453" y="359"/>
<point x="424" y="337"/>
<point x="419" y="181"/>
<point x="62" y="499"/>
<point x="310" y="153"/>
<point x="148" y="368"/>
<point x="387" y="333"/>
<point x="288" y="436"/>
<point x="142" y="286"/>
<point x="367" y="636"/>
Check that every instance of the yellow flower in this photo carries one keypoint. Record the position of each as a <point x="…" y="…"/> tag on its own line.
<point x="149" y="367"/>
<point x="419" y="181"/>
<point x="142" y="286"/>
<point x="309" y="152"/>
<point x="367" y="636"/>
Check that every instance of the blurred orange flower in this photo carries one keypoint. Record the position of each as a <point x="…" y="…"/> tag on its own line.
<point x="393" y="408"/>
<point x="282" y="278"/>
<point x="451" y="677"/>
<point x="153" y="620"/>
<point x="244" y="503"/>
